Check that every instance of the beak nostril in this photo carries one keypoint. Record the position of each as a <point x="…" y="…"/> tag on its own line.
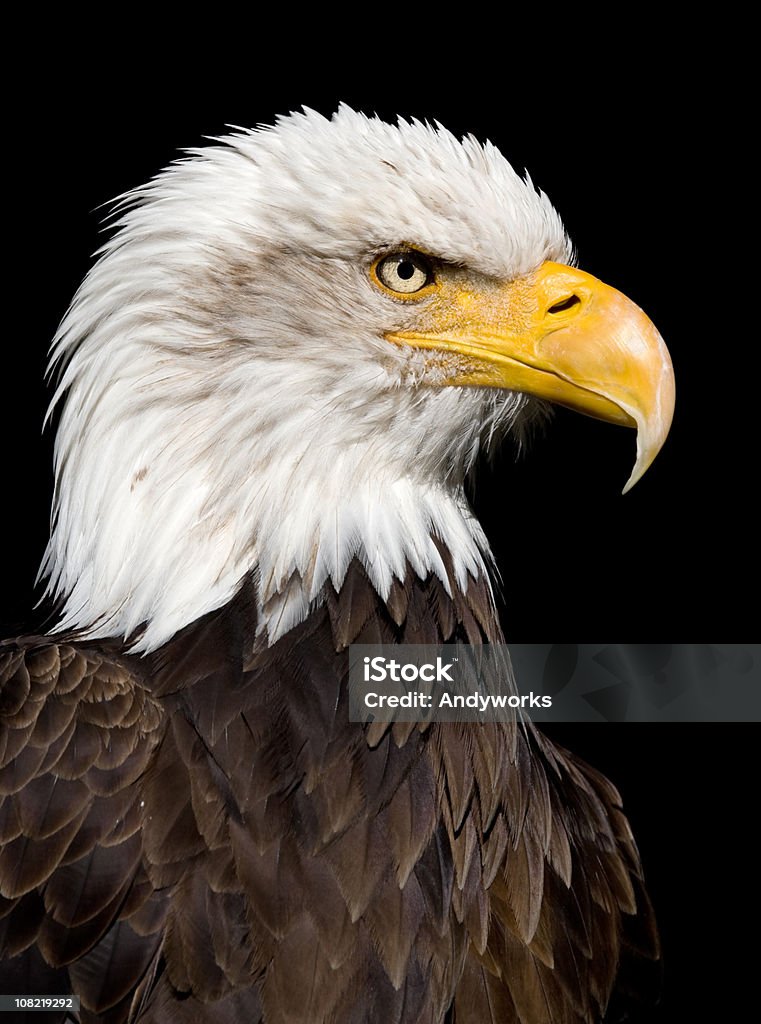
<point x="560" y="307"/>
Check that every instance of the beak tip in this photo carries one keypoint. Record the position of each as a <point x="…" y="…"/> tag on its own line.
<point x="653" y="429"/>
<point x="636" y="476"/>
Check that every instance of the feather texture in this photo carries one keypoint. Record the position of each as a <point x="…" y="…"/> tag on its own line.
<point x="212" y="839"/>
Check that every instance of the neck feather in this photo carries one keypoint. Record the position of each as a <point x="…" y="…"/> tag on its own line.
<point x="160" y="573"/>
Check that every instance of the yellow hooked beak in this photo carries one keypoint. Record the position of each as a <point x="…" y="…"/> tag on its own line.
<point x="561" y="335"/>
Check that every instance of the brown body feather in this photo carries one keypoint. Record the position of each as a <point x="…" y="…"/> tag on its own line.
<point x="201" y="835"/>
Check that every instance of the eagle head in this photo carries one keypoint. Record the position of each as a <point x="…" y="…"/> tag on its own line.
<point x="290" y="353"/>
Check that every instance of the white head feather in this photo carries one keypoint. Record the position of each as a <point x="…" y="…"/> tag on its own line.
<point x="231" y="403"/>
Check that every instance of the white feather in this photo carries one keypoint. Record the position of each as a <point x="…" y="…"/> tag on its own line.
<point x="229" y="401"/>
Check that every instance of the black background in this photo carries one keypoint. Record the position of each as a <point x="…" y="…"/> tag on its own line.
<point x="632" y="150"/>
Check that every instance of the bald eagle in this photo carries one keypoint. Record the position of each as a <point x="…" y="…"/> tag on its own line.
<point x="272" y="386"/>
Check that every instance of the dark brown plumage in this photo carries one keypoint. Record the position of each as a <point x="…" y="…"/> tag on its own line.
<point x="201" y="835"/>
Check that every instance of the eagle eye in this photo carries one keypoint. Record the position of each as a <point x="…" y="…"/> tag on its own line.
<point x="404" y="272"/>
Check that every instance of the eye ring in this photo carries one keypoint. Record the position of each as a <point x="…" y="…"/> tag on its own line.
<point x="405" y="273"/>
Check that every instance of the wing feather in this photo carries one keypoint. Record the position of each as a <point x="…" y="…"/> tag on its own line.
<point x="78" y="729"/>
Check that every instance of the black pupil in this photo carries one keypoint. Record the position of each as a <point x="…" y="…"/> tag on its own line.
<point x="406" y="270"/>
